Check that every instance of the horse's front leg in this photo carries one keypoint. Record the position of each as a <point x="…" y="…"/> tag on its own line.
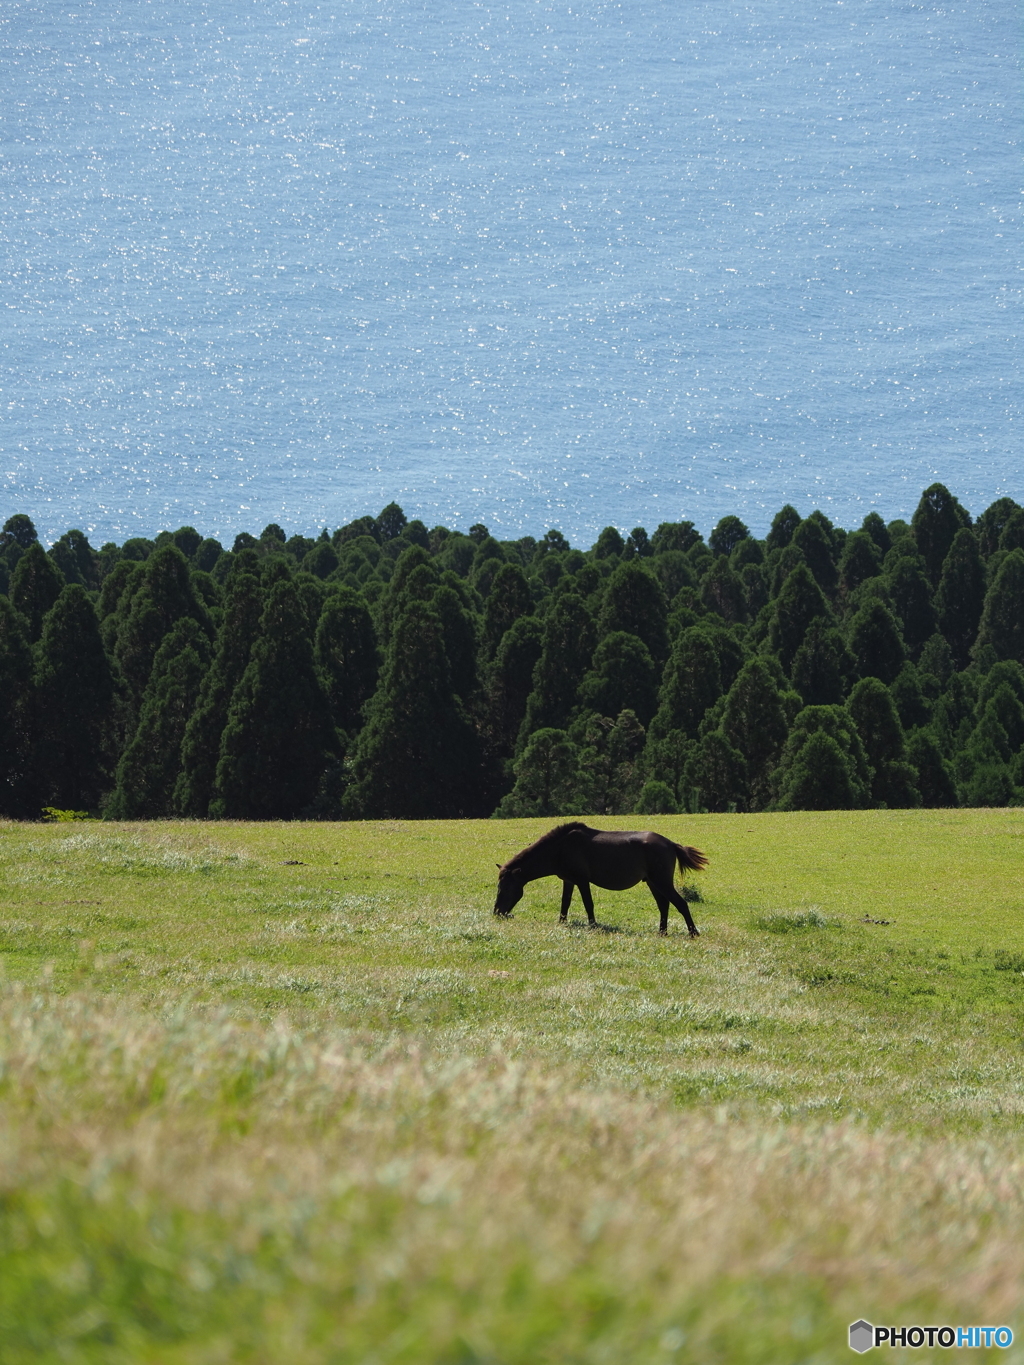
<point x="567" y="890"/>
<point x="588" y="900"/>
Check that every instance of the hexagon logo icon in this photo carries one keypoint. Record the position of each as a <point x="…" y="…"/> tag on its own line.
<point x="862" y="1336"/>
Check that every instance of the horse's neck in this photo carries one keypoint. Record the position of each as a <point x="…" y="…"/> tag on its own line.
<point x="539" y="864"/>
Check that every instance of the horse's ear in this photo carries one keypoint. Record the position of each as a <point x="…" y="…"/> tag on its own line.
<point x="498" y="866"/>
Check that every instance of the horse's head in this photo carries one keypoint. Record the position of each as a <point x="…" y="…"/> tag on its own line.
<point x="510" y="889"/>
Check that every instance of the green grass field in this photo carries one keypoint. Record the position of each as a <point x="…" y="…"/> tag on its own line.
<point x="290" y="1093"/>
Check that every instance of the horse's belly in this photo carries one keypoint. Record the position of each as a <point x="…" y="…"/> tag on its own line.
<point x="615" y="882"/>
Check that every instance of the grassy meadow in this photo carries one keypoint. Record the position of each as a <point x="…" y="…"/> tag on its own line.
<point x="290" y="1093"/>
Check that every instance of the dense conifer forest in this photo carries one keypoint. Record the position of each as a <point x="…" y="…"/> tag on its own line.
<point x="389" y="670"/>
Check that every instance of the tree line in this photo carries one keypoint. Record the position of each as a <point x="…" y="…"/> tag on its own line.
<point x="388" y="670"/>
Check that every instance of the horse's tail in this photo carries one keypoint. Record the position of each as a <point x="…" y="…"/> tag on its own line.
<point x="690" y="859"/>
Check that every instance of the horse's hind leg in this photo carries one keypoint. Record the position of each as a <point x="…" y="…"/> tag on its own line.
<point x="567" y="890"/>
<point x="662" y="904"/>
<point x="684" y="910"/>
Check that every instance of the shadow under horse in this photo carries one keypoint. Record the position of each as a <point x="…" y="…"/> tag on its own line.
<point x="613" y="859"/>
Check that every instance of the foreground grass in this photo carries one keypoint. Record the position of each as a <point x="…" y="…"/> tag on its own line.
<point x="291" y="1093"/>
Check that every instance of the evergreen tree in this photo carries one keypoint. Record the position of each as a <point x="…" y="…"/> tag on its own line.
<point x="546" y="775"/>
<point x="876" y="643"/>
<point x="780" y="565"/>
<point x="935" y="522"/>
<point x="934" y="774"/>
<point x="912" y="600"/>
<point x="279" y="738"/>
<point x="35" y="585"/>
<point x="815" y="544"/>
<point x="16" y="795"/>
<point x="345" y="654"/>
<point x="417" y="756"/>
<point x="568" y="646"/>
<point x="390" y="523"/>
<point x="321" y="561"/>
<point x="755" y="722"/>
<point x="609" y="544"/>
<point x="909" y="698"/>
<point x="163" y="595"/>
<point x="673" y="572"/>
<point x="609" y="766"/>
<point x="878" y="531"/>
<point x="991" y="524"/>
<point x="961" y="595"/>
<point x="460" y="639"/>
<point x="1012" y="537"/>
<point x="822" y="666"/>
<point x="721" y="591"/>
<point x="622" y="677"/>
<point x="76" y="559"/>
<point x="1002" y="618"/>
<point x="718" y="771"/>
<point x="675" y="535"/>
<point x="692" y="682"/>
<point x="818" y="780"/>
<point x="820" y="777"/>
<point x="638" y="544"/>
<point x="635" y="603"/>
<point x="861" y="559"/>
<point x="657" y="798"/>
<point x="799" y="602"/>
<point x="727" y="535"/>
<point x="74" y="706"/>
<point x="783" y="525"/>
<point x="487" y="564"/>
<point x="936" y="660"/>
<point x="150" y="764"/>
<point x="17" y="535"/>
<point x="874" y="714"/>
<point x="200" y="746"/>
<point x="508" y="600"/>
<point x="509" y="682"/>
<point x="754" y="581"/>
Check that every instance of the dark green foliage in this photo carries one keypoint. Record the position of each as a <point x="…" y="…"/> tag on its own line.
<point x="609" y="772"/>
<point x="727" y="535"/>
<point x="508" y="600"/>
<point x="188" y="541"/>
<point x="390" y="523"/>
<point x="784" y="523"/>
<point x="546" y="774"/>
<point x="200" y="748"/>
<point x="876" y="643"/>
<point x="487" y="563"/>
<point x="1012" y="537"/>
<point x="163" y="595"/>
<point x="321" y="561"/>
<point x="509" y="682"/>
<point x="819" y="776"/>
<point x="911" y="598"/>
<point x="638" y="544"/>
<point x="279" y="737"/>
<point x="755" y="589"/>
<point x="721" y="591"/>
<point x="878" y="531"/>
<point x="16" y="795"/>
<point x="345" y="654"/>
<point x="827" y="777"/>
<point x="35" y="585"/>
<point x="657" y="798"/>
<point x="780" y="565"/>
<point x="18" y="534"/>
<point x="150" y="764"/>
<point x="675" y="535"/>
<point x="874" y="714"/>
<point x="936" y="659"/>
<point x="568" y="647"/>
<point x="823" y="665"/>
<point x="991" y="524"/>
<point x="861" y="559"/>
<point x="960" y="597"/>
<point x="76" y="559"/>
<point x="1002" y="617"/>
<point x="814" y="541"/>
<point x="935" y="522"/>
<point x="609" y="544"/>
<point x="755" y="722"/>
<point x="908" y="695"/>
<point x="717" y="769"/>
<point x="673" y="572"/>
<point x="799" y="602"/>
<point x="417" y="755"/>
<point x="691" y="683"/>
<point x="207" y="554"/>
<point x="623" y="676"/>
<point x="934" y="773"/>
<point x="73" y="749"/>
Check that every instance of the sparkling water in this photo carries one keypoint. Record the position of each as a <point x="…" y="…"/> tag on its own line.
<point x="530" y="264"/>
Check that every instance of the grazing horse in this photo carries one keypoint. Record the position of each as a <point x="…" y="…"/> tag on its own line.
<point x="614" y="859"/>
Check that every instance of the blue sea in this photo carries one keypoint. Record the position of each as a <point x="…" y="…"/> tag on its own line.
<point x="530" y="264"/>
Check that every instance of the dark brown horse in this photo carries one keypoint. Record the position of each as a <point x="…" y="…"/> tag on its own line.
<point x="614" y="859"/>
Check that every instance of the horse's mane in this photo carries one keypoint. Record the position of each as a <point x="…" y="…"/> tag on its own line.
<point x="552" y="837"/>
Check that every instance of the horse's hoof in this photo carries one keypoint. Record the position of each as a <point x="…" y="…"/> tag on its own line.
<point x="695" y="933"/>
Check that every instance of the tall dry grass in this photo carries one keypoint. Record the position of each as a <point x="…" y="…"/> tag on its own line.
<point x="180" y="1186"/>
